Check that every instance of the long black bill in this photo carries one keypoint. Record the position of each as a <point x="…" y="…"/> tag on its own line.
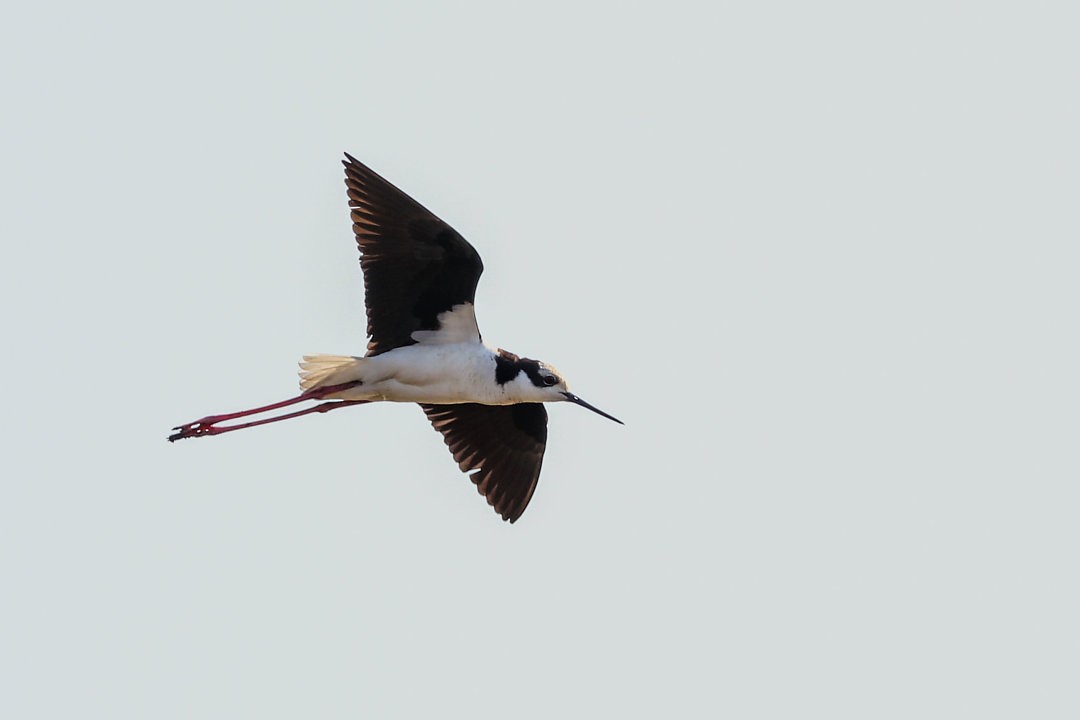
<point x="578" y="401"/>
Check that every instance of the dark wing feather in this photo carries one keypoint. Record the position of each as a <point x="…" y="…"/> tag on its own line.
<point x="503" y="444"/>
<point x="415" y="265"/>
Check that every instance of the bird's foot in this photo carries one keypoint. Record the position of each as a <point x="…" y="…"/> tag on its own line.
<point x="199" y="428"/>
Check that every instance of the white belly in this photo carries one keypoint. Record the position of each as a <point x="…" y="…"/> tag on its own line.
<point x="440" y="374"/>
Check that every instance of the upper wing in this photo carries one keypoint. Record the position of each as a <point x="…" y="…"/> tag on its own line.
<point x="504" y="444"/>
<point x="415" y="265"/>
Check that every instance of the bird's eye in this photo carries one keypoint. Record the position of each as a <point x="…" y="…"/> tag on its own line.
<point x="550" y="380"/>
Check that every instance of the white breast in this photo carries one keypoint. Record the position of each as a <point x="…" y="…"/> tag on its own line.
<point x="440" y="373"/>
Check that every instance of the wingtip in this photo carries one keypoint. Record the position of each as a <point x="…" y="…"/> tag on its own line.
<point x="514" y="513"/>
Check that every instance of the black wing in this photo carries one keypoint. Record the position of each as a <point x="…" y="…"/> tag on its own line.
<point x="504" y="444"/>
<point x="415" y="265"/>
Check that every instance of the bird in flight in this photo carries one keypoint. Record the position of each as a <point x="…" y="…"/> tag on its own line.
<point x="420" y="280"/>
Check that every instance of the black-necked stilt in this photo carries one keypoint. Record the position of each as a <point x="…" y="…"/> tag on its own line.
<point x="420" y="280"/>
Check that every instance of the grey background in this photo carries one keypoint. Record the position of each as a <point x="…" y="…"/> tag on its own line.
<point x="821" y="258"/>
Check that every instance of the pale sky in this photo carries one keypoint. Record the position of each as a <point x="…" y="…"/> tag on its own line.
<point x="821" y="258"/>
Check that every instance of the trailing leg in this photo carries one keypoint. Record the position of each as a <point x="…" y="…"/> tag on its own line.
<point x="207" y="425"/>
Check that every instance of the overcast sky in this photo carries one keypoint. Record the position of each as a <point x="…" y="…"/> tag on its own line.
<point x="821" y="258"/>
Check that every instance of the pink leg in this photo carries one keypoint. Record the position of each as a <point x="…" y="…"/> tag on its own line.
<point x="205" y="426"/>
<point x="199" y="430"/>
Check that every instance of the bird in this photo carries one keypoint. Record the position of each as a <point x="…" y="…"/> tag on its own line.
<point x="424" y="347"/>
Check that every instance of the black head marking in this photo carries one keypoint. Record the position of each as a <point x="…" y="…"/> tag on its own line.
<point x="508" y="366"/>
